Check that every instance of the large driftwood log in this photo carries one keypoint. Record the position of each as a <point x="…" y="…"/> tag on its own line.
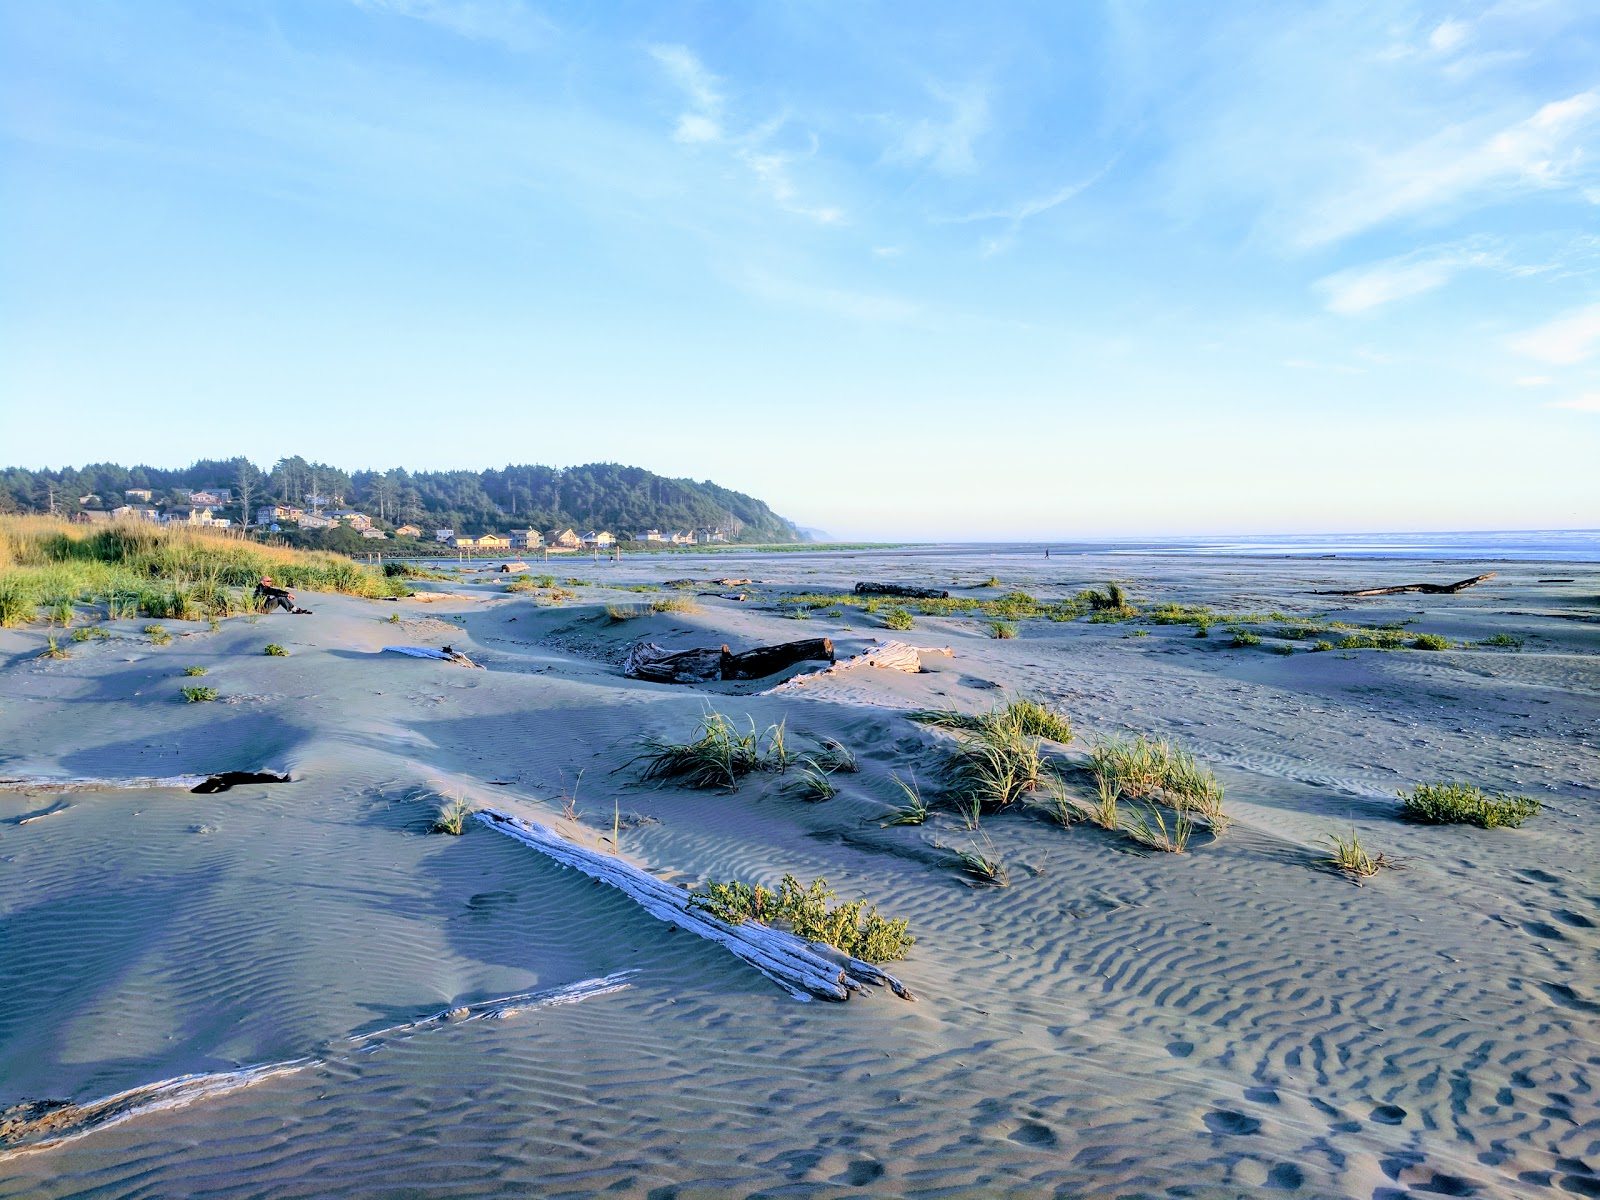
<point x="803" y="970"/>
<point x="220" y="782"/>
<point x="646" y="660"/>
<point x="893" y="655"/>
<point x="1432" y="589"/>
<point x="900" y="589"/>
<point x="769" y="660"/>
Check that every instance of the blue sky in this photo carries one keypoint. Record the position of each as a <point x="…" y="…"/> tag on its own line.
<point x="927" y="270"/>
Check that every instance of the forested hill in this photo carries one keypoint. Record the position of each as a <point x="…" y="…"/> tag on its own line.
<point x="595" y="496"/>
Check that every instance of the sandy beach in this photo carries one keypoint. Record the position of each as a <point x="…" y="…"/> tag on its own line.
<point x="1236" y="1020"/>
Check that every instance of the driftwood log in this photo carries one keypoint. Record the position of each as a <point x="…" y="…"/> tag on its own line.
<point x="805" y="971"/>
<point x="446" y="654"/>
<point x="220" y="782"/>
<point x="892" y="655"/>
<point x="508" y="568"/>
<point x="900" y="589"/>
<point x="1432" y="589"/>
<point x="646" y="660"/>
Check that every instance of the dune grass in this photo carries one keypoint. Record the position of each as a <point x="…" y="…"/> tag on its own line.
<point x="1154" y="769"/>
<point x="1031" y="716"/>
<point x="193" y="671"/>
<point x="451" y="817"/>
<point x="1508" y="641"/>
<point x="718" y="755"/>
<point x="1466" y="804"/>
<point x="1430" y="641"/>
<point x="914" y="811"/>
<point x="54" y="649"/>
<point x="897" y="618"/>
<point x="661" y="604"/>
<point x="158" y="634"/>
<point x="1349" y="857"/>
<point x="164" y="571"/>
<point x="1002" y="629"/>
<point x="197" y="694"/>
<point x="855" y="928"/>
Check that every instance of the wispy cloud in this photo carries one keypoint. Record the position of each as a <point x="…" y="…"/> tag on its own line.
<point x="772" y="172"/>
<point x="840" y="302"/>
<point x="1015" y="215"/>
<point x="702" y="121"/>
<point x="1540" y="151"/>
<point x="1565" y="341"/>
<point x="509" y="22"/>
<point x="1361" y="289"/>
<point x="946" y="145"/>
<point x="1588" y="402"/>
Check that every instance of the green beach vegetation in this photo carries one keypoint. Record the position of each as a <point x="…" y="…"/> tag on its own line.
<point x="810" y="913"/>
<point x="1465" y="804"/>
<point x="163" y="571"/>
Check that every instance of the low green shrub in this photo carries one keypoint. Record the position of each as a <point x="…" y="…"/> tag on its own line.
<point x="1465" y="804"/>
<point x="1430" y="641"/>
<point x="158" y="635"/>
<point x="897" y="618"/>
<point x="1002" y="629"/>
<point x="274" y="650"/>
<point x="1373" y="639"/>
<point x="1507" y="640"/>
<point x="194" y="670"/>
<point x="854" y="928"/>
<point x="195" y="694"/>
<point x="1243" y="637"/>
<point x="54" y="649"/>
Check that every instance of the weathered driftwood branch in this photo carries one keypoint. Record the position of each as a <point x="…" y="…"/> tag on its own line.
<point x="892" y="655"/>
<point x="509" y="568"/>
<point x="219" y="782"/>
<point x="803" y="970"/>
<point x="769" y="660"/>
<point x="1432" y="589"/>
<point x="646" y="660"/>
<point x="447" y="654"/>
<point x="900" y="589"/>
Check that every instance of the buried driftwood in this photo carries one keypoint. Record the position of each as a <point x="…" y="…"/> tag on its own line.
<point x="895" y="656"/>
<point x="219" y="782"/>
<point x="46" y="1124"/>
<point x="803" y="969"/>
<point x="445" y="653"/>
<point x="646" y="660"/>
<point x="508" y="568"/>
<point x="1432" y="589"/>
<point x="900" y="589"/>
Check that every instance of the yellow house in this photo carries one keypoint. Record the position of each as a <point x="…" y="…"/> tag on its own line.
<point x="493" y="541"/>
<point x="408" y="531"/>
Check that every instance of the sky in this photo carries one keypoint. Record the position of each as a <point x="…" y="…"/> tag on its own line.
<point x="902" y="270"/>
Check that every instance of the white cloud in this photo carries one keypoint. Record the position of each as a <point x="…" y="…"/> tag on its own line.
<point x="946" y="145"/>
<point x="1535" y="381"/>
<point x="703" y="120"/>
<point x="1588" y="402"/>
<point x="1025" y="210"/>
<point x="1539" y="151"/>
<point x="1359" y="289"/>
<point x="772" y="171"/>
<point x="1448" y="35"/>
<point x="506" y="21"/>
<point x="1566" y="340"/>
<point x="888" y="251"/>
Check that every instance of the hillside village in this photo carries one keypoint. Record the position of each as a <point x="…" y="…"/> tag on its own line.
<point x="209" y="508"/>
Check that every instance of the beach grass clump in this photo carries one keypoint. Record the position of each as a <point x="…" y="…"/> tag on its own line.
<point x="1168" y="832"/>
<point x="1299" y="633"/>
<point x="1465" y="804"/>
<point x="1350" y="858"/>
<point x="810" y="914"/>
<point x="996" y="763"/>
<point x="897" y="618"/>
<point x="718" y="755"/>
<point x="1430" y="641"/>
<point x="660" y="604"/>
<point x="198" y="694"/>
<point x="1508" y="641"/>
<point x="983" y="864"/>
<point x="1002" y="629"/>
<point x="992" y="581"/>
<point x="194" y="671"/>
<point x="18" y="603"/>
<point x="1372" y="639"/>
<point x="1320" y="645"/>
<point x="273" y="650"/>
<point x="451" y="817"/>
<point x="1148" y="768"/>
<point x="91" y="633"/>
<point x="1197" y="615"/>
<point x="54" y="649"/>
<point x="1283" y="648"/>
<point x="158" y="634"/>
<point x="914" y="811"/>
<point x="1243" y="637"/>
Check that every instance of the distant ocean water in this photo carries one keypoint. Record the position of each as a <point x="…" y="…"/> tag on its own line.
<point x="1540" y="545"/>
<point x="1536" y="545"/>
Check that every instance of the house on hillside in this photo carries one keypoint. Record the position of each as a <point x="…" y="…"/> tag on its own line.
<point x="464" y="541"/>
<point x="447" y="536"/>
<point x="597" y="540"/>
<point x="283" y="514"/>
<point x="408" y="531"/>
<point x="316" y="521"/>
<point x="652" y="535"/>
<point x="356" y="520"/>
<point x="563" y="539"/>
<point x="135" y="512"/>
<point x="684" y="537"/>
<point x="493" y="541"/>
<point x="376" y="534"/>
<point x="706" y="536"/>
<point x="187" y="515"/>
<point x="526" y="539"/>
<point x="215" y="497"/>
<point x="138" y="494"/>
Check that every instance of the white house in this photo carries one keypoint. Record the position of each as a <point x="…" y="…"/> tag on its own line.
<point x="444" y="535"/>
<point x="373" y="533"/>
<point x="144" y="494"/>
<point x="526" y="539"/>
<point x="598" y="540"/>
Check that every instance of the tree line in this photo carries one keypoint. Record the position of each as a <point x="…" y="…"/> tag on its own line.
<point x="593" y="496"/>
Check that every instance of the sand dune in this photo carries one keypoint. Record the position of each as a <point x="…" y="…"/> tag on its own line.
<point x="1231" y="1021"/>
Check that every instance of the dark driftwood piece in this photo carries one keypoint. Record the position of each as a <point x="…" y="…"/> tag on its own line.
<point x="769" y="660"/>
<point x="900" y="589"/>
<point x="219" y="782"/>
<point x="646" y="660"/>
<point x="1432" y="589"/>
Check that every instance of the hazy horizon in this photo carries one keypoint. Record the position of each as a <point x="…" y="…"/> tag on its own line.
<point x="1033" y="273"/>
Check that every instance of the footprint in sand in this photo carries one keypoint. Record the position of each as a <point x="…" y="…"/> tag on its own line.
<point x="1030" y="1133"/>
<point x="1227" y="1121"/>
<point x="1388" y="1114"/>
<point x="1180" y="1049"/>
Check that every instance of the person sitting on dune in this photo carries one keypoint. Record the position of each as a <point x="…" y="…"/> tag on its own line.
<point x="276" y="597"/>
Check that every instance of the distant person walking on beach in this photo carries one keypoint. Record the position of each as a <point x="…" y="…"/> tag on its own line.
<point x="276" y="597"/>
